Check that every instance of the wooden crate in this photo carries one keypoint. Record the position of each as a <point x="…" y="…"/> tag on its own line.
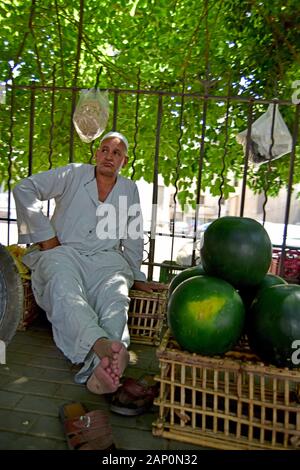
<point x="30" y="308"/>
<point x="146" y="316"/>
<point x="230" y="402"/>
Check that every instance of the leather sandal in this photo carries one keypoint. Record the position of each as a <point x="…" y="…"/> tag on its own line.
<point x="135" y="397"/>
<point x="86" y="430"/>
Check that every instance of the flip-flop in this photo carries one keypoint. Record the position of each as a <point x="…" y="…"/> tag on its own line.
<point x="135" y="397"/>
<point x="86" y="430"/>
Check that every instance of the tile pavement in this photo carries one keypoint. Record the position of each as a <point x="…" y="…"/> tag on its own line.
<point x="37" y="380"/>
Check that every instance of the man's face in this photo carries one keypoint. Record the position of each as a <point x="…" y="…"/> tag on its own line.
<point x="111" y="157"/>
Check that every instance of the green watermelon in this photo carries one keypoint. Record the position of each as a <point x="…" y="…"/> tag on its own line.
<point x="185" y="274"/>
<point x="274" y="324"/>
<point x="206" y="315"/>
<point x="236" y="249"/>
<point x="248" y="294"/>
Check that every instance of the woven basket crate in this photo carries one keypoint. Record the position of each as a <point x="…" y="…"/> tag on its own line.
<point x="146" y="316"/>
<point x="230" y="402"/>
<point x="26" y="306"/>
<point x="30" y="308"/>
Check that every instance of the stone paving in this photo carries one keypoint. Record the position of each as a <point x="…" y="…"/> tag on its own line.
<point x="37" y="379"/>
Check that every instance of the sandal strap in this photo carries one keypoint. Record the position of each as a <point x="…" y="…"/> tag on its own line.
<point x="101" y="441"/>
<point x="138" y="390"/>
<point x="96" y="445"/>
<point x="92" y="420"/>
<point x="91" y="429"/>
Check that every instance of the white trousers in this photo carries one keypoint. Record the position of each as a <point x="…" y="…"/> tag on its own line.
<point x="85" y="298"/>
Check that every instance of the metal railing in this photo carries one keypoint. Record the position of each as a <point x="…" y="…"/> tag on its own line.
<point x="202" y="103"/>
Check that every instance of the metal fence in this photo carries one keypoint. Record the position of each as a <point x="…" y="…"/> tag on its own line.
<point x="189" y="114"/>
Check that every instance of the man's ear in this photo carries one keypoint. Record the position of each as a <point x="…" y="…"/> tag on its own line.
<point x="125" y="162"/>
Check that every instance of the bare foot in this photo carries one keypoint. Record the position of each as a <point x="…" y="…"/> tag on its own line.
<point x="119" y="359"/>
<point x="114" y="359"/>
<point x="100" y="382"/>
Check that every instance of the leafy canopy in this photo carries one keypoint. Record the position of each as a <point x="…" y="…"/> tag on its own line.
<point x="221" y="47"/>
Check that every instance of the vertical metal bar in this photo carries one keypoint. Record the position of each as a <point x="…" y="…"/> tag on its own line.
<point x="71" y="140"/>
<point x="199" y="179"/>
<point x="51" y="119"/>
<point x="248" y="142"/>
<point x="290" y="188"/>
<point x="51" y="127"/>
<point x="31" y="130"/>
<point x="116" y="107"/>
<point x="224" y="153"/>
<point x="267" y="185"/>
<point x="155" y="188"/>
<point x="136" y="124"/>
<point x="95" y="87"/>
<point x="203" y="131"/>
<point x="10" y="153"/>
<point x="91" y="152"/>
<point x="60" y="43"/>
<point x="77" y="61"/>
<point x="177" y="165"/>
<point x="98" y="78"/>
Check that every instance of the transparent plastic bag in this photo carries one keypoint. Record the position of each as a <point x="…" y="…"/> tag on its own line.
<point x="262" y="148"/>
<point x="91" y="114"/>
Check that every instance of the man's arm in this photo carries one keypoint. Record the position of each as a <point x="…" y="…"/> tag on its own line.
<point x="49" y="244"/>
<point x="33" y="225"/>
<point x="133" y="243"/>
<point x="134" y="247"/>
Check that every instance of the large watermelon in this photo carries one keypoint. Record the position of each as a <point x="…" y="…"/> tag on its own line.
<point x="236" y="249"/>
<point x="206" y="315"/>
<point x="185" y="274"/>
<point x="274" y="324"/>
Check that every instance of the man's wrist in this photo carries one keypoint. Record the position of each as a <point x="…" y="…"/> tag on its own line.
<point x="49" y="244"/>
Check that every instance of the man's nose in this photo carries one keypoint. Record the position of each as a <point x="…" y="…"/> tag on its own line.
<point x="109" y="155"/>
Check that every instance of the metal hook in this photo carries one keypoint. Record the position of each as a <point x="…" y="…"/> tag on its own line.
<point x="98" y="78"/>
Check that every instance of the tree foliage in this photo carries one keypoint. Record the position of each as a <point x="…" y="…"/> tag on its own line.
<point x="221" y="48"/>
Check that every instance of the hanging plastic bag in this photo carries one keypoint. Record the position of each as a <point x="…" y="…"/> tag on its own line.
<point x="262" y="147"/>
<point x="91" y="114"/>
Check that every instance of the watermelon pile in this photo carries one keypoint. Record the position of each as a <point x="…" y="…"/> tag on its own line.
<point x="211" y="305"/>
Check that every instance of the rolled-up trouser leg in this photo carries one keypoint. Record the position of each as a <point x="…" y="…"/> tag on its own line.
<point x="111" y="302"/>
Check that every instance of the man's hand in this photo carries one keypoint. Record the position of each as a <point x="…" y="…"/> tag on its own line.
<point x="148" y="286"/>
<point x="49" y="244"/>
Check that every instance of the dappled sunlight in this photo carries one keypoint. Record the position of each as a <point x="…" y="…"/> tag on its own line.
<point x="21" y="381"/>
<point x="133" y="358"/>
